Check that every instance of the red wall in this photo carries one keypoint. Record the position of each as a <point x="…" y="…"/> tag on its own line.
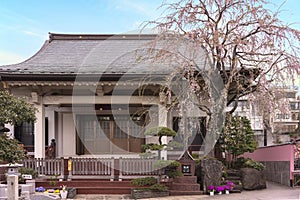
<point x="274" y="153"/>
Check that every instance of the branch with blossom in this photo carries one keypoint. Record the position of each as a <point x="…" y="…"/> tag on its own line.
<point x="247" y="45"/>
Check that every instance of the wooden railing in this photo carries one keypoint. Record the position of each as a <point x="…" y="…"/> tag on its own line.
<point x="46" y="167"/>
<point x="136" y="167"/>
<point x="91" y="168"/>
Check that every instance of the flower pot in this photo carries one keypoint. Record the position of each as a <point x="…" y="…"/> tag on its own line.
<point x="219" y="192"/>
<point x="226" y="191"/>
<point x="63" y="194"/>
<point x="211" y="193"/>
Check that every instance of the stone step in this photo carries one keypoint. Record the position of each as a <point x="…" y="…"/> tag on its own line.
<point x="233" y="172"/>
<point x="230" y="178"/>
<point x="185" y="179"/>
<point x="185" y="187"/>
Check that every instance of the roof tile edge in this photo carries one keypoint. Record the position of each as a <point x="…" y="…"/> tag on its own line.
<point x="61" y="36"/>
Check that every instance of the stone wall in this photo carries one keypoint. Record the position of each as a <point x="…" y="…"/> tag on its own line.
<point x="278" y="171"/>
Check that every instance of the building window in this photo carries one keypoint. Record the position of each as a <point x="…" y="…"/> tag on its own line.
<point x="25" y="133"/>
<point x="295" y="116"/>
<point x="282" y="116"/>
<point x="293" y="105"/>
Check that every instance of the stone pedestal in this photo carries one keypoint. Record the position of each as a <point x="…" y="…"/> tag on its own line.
<point x="185" y="185"/>
<point x="3" y="191"/>
<point x="12" y="187"/>
<point x="32" y="184"/>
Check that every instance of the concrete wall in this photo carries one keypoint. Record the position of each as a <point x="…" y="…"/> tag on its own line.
<point x="278" y="171"/>
<point x="279" y="162"/>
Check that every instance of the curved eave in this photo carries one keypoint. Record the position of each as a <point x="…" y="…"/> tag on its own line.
<point x="81" y="77"/>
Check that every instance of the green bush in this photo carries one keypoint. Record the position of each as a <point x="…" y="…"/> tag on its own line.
<point x="147" y="181"/>
<point x="24" y="170"/>
<point x="173" y="173"/>
<point x="153" y="147"/>
<point x="10" y="150"/>
<point x="159" y="187"/>
<point x="248" y="162"/>
<point x="253" y="164"/>
<point x="174" y="163"/>
<point x="160" y="131"/>
<point x="165" y="163"/>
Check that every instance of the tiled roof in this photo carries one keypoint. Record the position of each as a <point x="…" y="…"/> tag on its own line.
<point x="73" y="54"/>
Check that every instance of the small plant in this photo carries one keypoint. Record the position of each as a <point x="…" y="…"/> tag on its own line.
<point x="147" y="181"/>
<point x="53" y="181"/>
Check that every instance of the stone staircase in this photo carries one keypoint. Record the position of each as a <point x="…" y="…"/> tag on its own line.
<point x="185" y="185"/>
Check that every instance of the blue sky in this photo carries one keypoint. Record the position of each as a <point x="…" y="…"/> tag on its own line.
<point x="24" y="24"/>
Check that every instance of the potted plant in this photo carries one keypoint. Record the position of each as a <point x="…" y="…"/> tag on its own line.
<point x="220" y="189"/>
<point x="64" y="192"/>
<point x="211" y="190"/>
<point x="228" y="187"/>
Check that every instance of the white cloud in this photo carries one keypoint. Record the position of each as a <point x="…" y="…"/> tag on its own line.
<point x="31" y="33"/>
<point x="10" y="58"/>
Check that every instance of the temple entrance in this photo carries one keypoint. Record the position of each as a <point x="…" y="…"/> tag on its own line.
<point x="108" y="134"/>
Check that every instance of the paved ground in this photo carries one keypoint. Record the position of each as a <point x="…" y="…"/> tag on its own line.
<point x="273" y="191"/>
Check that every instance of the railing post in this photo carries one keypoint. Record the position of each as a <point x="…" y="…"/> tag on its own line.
<point x="120" y="168"/>
<point x="62" y="167"/>
<point x="112" y="169"/>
